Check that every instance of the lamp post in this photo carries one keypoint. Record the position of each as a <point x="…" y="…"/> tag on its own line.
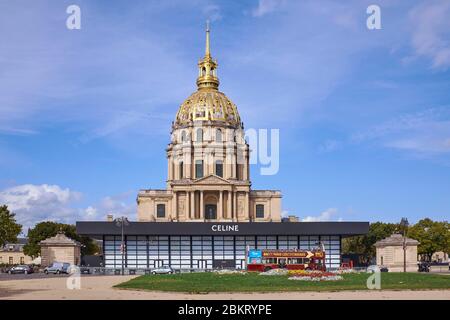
<point x="122" y="222"/>
<point x="404" y="223"/>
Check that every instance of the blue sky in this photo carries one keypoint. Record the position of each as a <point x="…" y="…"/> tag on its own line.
<point x="364" y="115"/>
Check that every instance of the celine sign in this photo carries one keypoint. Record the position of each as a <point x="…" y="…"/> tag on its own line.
<point x="221" y="227"/>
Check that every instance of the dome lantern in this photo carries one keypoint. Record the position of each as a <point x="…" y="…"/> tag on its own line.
<point x="207" y="68"/>
<point x="208" y="103"/>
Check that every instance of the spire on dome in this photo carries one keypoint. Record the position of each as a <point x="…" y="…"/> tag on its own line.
<point x="207" y="75"/>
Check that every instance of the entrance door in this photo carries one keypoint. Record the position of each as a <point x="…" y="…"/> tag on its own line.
<point x="210" y="211"/>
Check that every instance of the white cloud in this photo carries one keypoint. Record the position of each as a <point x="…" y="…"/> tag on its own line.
<point x="426" y="132"/>
<point x="326" y="215"/>
<point x="36" y="203"/>
<point x="266" y="6"/>
<point x="430" y="38"/>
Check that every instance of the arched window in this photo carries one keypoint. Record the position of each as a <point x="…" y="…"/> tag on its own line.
<point x="183" y="136"/>
<point x="181" y="170"/>
<point x="199" y="135"/>
<point x="219" y="168"/>
<point x="160" y="210"/>
<point x="219" y="135"/>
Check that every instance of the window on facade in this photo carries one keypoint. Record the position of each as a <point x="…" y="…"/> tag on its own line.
<point x="199" y="135"/>
<point x="260" y="211"/>
<point x="22" y="260"/>
<point x="219" y="135"/>
<point x="183" y="136"/>
<point x="181" y="170"/>
<point x="161" y="210"/>
<point x="11" y="260"/>
<point x="198" y="169"/>
<point x="219" y="168"/>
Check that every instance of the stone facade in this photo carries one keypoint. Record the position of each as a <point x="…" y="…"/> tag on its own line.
<point x="60" y="249"/>
<point x="208" y="163"/>
<point x="389" y="253"/>
<point x="12" y="253"/>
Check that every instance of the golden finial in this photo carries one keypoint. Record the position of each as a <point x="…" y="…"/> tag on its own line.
<point x="207" y="76"/>
<point x="207" y="50"/>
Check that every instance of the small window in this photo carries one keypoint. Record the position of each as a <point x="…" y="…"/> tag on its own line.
<point x="183" y="136"/>
<point x="11" y="260"/>
<point x="219" y="168"/>
<point x="181" y="170"/>
<point x="22" y="260"/>
<point x="198" y="169"/>
<point x="161" y="210"/>
<point x="199" y="135"/>
<point x="260" y="211"/>
<point x="219" y="135"/>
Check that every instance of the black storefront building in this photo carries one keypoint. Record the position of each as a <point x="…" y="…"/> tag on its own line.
<point x="205" y="245"/>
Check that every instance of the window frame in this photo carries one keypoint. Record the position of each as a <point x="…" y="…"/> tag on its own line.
<point x="158" y="206"/>
<point x="218" y="163"/>
<point x="258" y="206"/>
<point x="199" y="164"/>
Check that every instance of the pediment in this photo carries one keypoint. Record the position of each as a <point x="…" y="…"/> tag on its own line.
<point x="212" y="179"/>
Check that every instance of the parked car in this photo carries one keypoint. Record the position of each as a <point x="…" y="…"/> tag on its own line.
<point x="424" y="267"/>
<point x="163" y="270"/>
<point x="20" y="269"/>
<point x="57" y="268"/>
<point x="374" y="268"/>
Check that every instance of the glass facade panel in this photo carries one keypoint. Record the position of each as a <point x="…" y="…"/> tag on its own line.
<point x="199" y="252"/>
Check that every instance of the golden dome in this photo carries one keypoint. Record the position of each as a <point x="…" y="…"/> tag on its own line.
<point x="208" y="103"/>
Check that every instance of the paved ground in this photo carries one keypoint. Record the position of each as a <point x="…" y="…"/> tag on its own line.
<point x="5" y="276"/>
<point x="100" y="287"/>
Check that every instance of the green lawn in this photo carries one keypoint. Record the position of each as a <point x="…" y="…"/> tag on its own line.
<point x="252" y="282"/>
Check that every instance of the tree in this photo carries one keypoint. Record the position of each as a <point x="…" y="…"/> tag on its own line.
<point x="433" y="236"/>
<point x="47" y="229"/>
<point x="364" y="245"/>
<point x="9" y="228"/>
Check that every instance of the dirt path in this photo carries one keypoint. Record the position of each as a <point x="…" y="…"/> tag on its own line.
<point x="100" y="287"/>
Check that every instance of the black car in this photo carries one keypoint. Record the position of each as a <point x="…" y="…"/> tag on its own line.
<point x="20" y="269"/>
<point x="424" y="267"/>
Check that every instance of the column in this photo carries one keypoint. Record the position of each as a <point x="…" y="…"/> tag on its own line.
<point x="175" y="205"/>
<point x="186" y="205"/>
<point x="247" y="205"/>
<point x="229" y="216"/>
<point x="220" y="211"/>
<point x="202" y="209"/>
<point x="245" y="165"/>
<point x="192" y="194"/>
<point x="235" y="212"/>
<point x="169" y="168"/>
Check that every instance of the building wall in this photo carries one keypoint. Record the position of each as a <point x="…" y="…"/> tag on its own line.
<point x="17" y="258"/>
<point x="69" y="254"/>
<point x="202" y="252"/>
<point x="392" y="257"/>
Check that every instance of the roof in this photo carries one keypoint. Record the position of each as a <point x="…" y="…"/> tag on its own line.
<point x="16" y="246"/>
<point x="99" y="228"/>
<point x="60" y="240"/>
<point x="396" y="240"/>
